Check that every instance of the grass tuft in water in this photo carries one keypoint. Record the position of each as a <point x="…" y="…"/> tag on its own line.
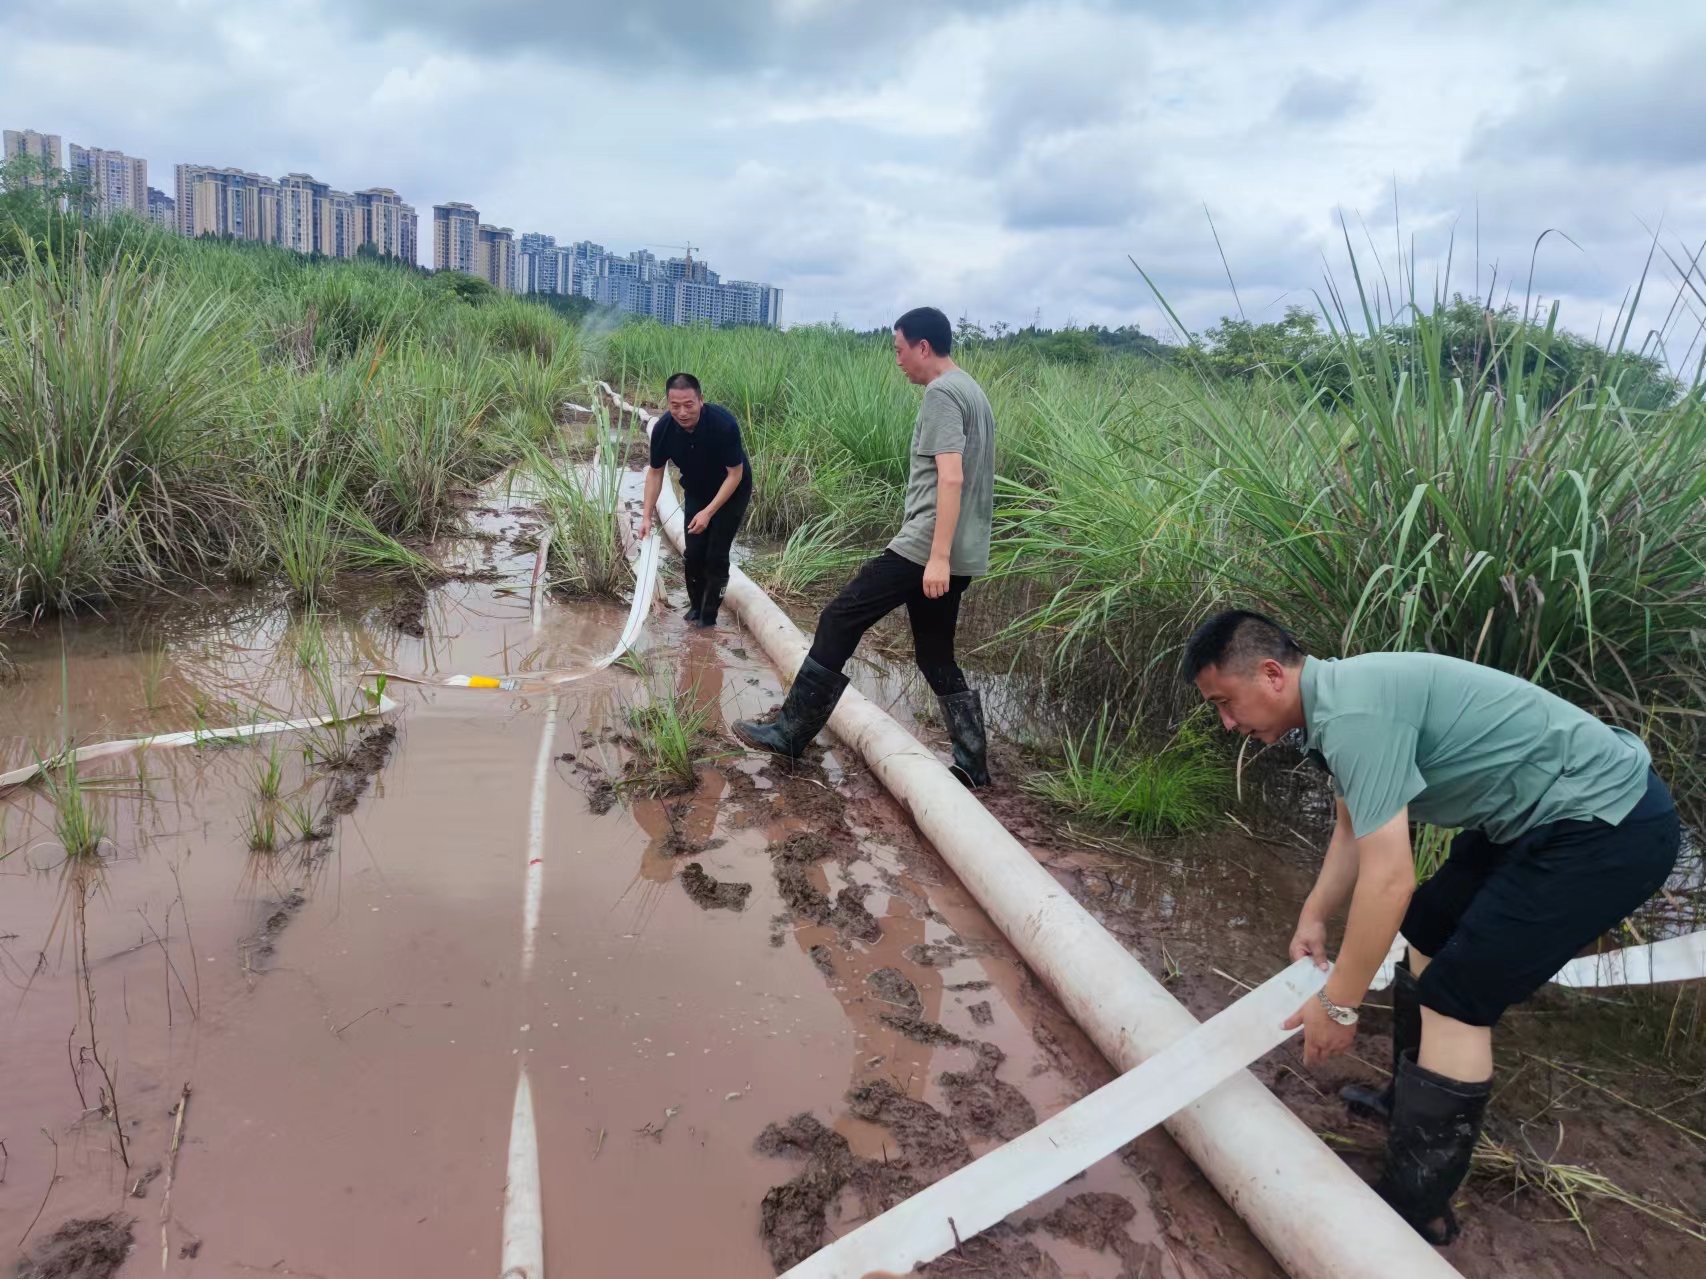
<point x="1177" y="789"/>
<point x="670" y="738"/>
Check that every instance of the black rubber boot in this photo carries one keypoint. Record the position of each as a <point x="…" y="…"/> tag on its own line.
<point x="1435" y="1124"/>
<point x="712" y="601"/>
<point x="695" y="597"/>
<point x="963" y="714"/>
<point x="810" y="703"/>
<point x="1376" y="1103"/>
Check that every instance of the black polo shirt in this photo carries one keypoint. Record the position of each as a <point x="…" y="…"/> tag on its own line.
<point x="704" y="454"/>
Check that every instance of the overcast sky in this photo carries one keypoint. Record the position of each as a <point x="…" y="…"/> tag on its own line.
<point x="998" y="159"/>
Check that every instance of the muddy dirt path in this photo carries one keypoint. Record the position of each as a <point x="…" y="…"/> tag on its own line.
<point x="351" y="1013"/>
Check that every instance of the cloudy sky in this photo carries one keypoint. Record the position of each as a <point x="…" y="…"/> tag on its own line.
<point x="999" y="159"/>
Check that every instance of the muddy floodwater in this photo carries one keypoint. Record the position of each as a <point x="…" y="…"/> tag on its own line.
<point x="319" y="937"/>
<point x="274" y="1022"/>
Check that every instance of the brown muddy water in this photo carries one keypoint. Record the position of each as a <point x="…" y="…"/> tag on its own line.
<point x="727" y="1070"/>
<point x="347" y="1010"/>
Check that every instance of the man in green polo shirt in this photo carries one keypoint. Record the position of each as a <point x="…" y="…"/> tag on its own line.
<point x="1565" y="829"/>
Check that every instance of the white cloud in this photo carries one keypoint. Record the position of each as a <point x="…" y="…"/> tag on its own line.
<point x="999" y="160"/>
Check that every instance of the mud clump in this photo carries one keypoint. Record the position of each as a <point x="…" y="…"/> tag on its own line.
<point x="1094" y="1219"/>
<point x="601" y="796"/>
<point x="851" y="917"/>
<point x="794" y="1215"/>
<point x="601" y="792"/>
<point x="86" y="1248"/>
<point x="933" y="955"/>
<point x="983" y="1105"/>
<point x="354" y="773"/>
<point x="981" y="1013"/>
<point x="802" y="896"/>
<point x="801" y="849"/>
<point x="921" y="1031"/>
<point x="267" y="939"/>
<point x="791" y="862"/>
<point x="1098" y="1220"/>
<point x="823" y="959"/>
<point x="408" y="613"/>
<point x="1001" y="1252"/>
<point x="711" y="894"/>
<point x="372" y="749"/>
<point x="890" y="985"/>
<point x="929" y="1142"/>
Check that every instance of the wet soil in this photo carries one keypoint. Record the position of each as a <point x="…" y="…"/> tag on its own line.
<point x="710" y="893"/>
<point x="85" y="1249"/>
<point x="793" y="1215"/>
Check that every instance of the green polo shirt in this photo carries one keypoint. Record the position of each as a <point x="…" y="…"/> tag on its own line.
<point x="1463" y="745"/>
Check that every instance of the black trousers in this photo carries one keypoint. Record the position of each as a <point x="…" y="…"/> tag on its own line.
<point x="705" y="558"/>
<point x="880" y="587"/>
<point x="1498" y="920"/>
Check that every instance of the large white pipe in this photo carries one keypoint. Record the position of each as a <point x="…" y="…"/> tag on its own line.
<point x="1317" y="1217"/>
<point x="1010" y="1177"/>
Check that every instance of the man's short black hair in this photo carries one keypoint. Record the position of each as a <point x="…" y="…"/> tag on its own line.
<point x="683" y="382"/>
<point x="927" y="324"/>
<point x="1238" y="639"/>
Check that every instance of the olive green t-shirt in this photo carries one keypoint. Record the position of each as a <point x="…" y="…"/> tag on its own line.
<point x="1463" y="745"/>
<point x="955" y="417"/>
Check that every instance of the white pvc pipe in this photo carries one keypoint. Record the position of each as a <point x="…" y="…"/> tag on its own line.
<point x="524" y="1220"/>
<point x="1674" y="959"/>
<point x="992" y="1188"/>
<point x="1317" y="1217"/>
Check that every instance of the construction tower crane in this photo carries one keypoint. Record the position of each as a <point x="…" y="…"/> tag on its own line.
<point x="689" y="249"/>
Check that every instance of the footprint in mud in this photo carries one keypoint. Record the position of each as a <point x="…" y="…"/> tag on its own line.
<point x="711" y="894"/>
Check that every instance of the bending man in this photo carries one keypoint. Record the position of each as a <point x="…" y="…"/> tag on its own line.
<point x="703" y="440"/>
<point x="943" y="543"/>
<point x="1565" y="829"/>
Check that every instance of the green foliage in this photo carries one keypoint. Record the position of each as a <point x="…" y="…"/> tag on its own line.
<point x="1170" y="791"/>
<point x="580" y="504"/>
<point x="670" y="739"/>
<point x="177" y="410"/>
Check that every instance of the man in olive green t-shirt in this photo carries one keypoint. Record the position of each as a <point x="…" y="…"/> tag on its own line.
<point x="942" y="545"/>
<point x="1565" y="829"/>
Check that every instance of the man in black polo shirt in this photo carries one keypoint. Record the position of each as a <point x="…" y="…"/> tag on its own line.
<point x="703" y="440"/>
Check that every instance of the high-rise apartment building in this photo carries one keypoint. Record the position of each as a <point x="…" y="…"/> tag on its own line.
<point x="28" y="144"/>
<point x="115" y="182"/>
<point x="340" y="226"/>
<point x="495" y="257"/>
<point x="543" y="267"/>
<point x="244" y="206"/>
<point x="301" y="202"/>
<point x="162" y="209"/>
<point x="753" y="304"/>
<point x="387" y="223"/>
<point x="455" y="238"/>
